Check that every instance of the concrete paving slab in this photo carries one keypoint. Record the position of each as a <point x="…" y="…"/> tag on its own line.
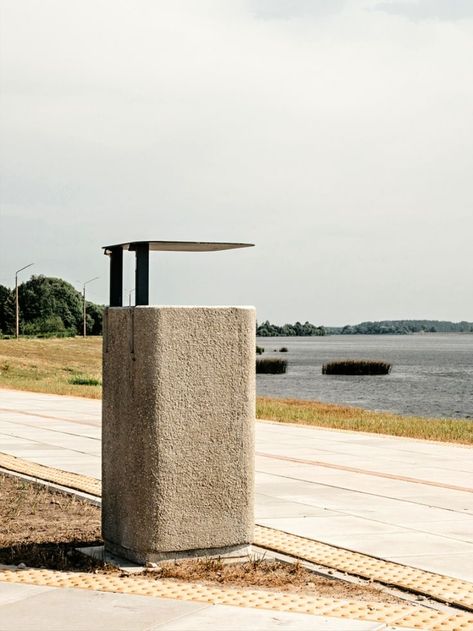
<point x="238" y="619"/>
<point x="268" y="507"/>
<point x="387" y="545"/>
<point x="461" y="529"/>
<point x="317" y="527"/>
<point x="456" y="565"/>
<point x="11" y="593"/>
<point x="83" y="610"/>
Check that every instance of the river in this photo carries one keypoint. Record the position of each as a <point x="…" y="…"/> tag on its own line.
<point x="432" y="373"/>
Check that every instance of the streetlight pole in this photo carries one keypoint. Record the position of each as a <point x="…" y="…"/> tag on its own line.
<point x="17" y="303"/>
<point x="84" y="306"/>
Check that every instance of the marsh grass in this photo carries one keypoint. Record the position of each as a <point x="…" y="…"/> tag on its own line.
<point x="356" y="367"/>
<point x="271" y="365"/>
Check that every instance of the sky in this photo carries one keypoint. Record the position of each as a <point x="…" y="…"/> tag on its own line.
<point x="336" y="135"/>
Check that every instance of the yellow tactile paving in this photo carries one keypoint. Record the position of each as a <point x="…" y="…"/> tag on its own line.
<point x="442" y="588"/>
<point x="49" y="474"/>
<point x="400" y="615"/>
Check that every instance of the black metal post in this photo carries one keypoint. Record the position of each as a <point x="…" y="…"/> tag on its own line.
<point x="116" y="277"/>
<point x="142" y="274"/>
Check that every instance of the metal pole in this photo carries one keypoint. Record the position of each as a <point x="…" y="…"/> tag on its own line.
<point x="116" y="277"/>
<point x="84" y="306"/>
<point x="142" y="274"/>
<point x="84" y="312"/>
<point x="17" y="309"/>
<point x="17" y="302"/>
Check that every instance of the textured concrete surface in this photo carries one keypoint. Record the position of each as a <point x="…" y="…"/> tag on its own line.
<point x="33" y="608"/>
<point x="422" y="524"/>
<point x="178" y="430"/>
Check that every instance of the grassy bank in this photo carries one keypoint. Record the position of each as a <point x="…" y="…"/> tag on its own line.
<point x="55" y="366"/>
<point x="69" y="366"/>
<point x="334" y="416"/>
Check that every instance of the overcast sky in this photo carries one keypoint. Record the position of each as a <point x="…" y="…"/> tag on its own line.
<point x="337" y="135"/>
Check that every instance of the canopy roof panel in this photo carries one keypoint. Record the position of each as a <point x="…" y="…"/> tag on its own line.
<point x="178" y="246"/>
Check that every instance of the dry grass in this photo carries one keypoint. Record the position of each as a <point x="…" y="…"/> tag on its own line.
<point x="333" y="416"/>
<point x="50" y="365"/>
<point x="42" y="528"/>
<point x="264" y="574"/>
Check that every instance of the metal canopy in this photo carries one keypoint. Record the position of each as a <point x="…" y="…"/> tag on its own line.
<point x="142" y="250"/>
<point x="178" y="246"/>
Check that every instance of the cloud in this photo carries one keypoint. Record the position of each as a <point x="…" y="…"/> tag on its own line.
<point x="287" y="9"/>
<point x="429" y="9"/>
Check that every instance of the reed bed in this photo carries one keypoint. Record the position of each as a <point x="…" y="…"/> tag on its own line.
<point x="271" y="365"/>
<point x="356" y="367"/>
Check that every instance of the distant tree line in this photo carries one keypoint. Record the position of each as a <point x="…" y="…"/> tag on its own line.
<point x="48" y="306"/>
<point x="404" y="327"/>
<point x="266" y="329"/>
<point x="383" y="327"/>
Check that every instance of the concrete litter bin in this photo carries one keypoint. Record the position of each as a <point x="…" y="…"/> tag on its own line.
<point x="177" y="422"/>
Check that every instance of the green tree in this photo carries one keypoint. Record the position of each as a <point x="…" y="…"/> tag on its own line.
<point x="94" y="318"/>
<point x="47" y="302"/>
<point x="7" y="310"/>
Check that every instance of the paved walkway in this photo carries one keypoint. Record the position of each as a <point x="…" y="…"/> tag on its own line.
<point x="399" y="499"/>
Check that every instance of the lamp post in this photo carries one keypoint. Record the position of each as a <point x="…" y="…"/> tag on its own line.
<point x="84" y="306"/>
<point x="17" y="304"/>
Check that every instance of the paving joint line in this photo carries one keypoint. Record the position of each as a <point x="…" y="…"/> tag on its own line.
<point x="346" y="488"/>
<point x="377" y="474"/>
<point x="49" y="429"/>
<point x="89" y="423"/>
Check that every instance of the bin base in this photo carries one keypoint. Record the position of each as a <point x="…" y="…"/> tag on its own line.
<point x="233" y="552"/>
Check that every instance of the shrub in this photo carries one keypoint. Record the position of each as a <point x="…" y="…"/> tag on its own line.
<point x="51" y="326"/>
<point x="84" y="380"/>
<point x="356" y="367"/>
<point x="271" y="365"/>
<point x="259" y="350"/>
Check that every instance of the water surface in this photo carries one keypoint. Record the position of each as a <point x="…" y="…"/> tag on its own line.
<point x="432" y="374"/>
